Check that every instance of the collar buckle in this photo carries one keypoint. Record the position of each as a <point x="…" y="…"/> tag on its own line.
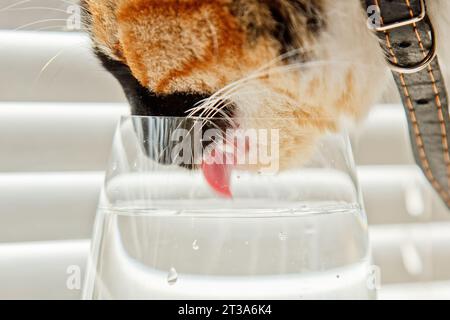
<point x="423" y="64"/>
<point x="398" y="24"/>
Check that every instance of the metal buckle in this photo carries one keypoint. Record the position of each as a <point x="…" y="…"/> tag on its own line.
<point x="398" y="24"/>
<point x="431" y="55"/>
<point x="421" y="65"/>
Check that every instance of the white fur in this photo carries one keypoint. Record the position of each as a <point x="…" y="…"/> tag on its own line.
<point x="347" y="46"/>
<point x="347" y="39"/>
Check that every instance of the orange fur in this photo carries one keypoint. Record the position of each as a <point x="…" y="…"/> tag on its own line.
<point x="178" y="45"/>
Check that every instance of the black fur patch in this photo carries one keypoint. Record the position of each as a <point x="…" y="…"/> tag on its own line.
<point x="142" y="101"/>
<point x="288" y="21"/>
<point x="310" y="18"/>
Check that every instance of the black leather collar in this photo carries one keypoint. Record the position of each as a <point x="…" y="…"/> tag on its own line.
<point x="407" y="37"/>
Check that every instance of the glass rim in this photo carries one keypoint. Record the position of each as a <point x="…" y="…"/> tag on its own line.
<point x="132" y="116"/>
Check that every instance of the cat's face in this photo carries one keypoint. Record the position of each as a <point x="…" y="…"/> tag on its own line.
<point x="295" y="65"/>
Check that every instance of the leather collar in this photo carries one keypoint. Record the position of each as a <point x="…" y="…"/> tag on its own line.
<point x="407" y="37"/>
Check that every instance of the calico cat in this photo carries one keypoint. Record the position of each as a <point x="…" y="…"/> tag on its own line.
<point x="300" y="65"/>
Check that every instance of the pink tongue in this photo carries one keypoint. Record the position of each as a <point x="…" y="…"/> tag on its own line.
<point x="218" y="173"/>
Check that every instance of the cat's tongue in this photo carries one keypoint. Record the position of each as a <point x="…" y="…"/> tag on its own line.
<point x="218" y="173"/>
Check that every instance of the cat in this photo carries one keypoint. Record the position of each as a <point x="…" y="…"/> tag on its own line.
<point x="304" y="66"/>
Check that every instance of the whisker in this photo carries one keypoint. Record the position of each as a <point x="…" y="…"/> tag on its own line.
<point x="49" y="62"/>
<point x="282" y="57"/>
<point x="58" y="28"/>
<point x="215" y="111"/>
<point x="216" y="101"/>
<point x="223" y="93"/>
<point x="268" y="65"/>
<point x="34" y="8"/>
<point x="14" y="5"/>
<point x="37" y="22"/>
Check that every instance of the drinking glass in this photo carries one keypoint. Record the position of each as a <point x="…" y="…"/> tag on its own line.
<point x="173" y="222"/>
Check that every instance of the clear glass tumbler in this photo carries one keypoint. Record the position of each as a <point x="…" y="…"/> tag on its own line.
<point x="187" y="213"/>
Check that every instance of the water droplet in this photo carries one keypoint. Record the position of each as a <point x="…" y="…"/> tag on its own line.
<point x="172" y="277"/>
<point x="238" y="177"/>
<point x="195" y="245"/>
<point x="283" y="236"/>
<point x="246" y="243"/>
